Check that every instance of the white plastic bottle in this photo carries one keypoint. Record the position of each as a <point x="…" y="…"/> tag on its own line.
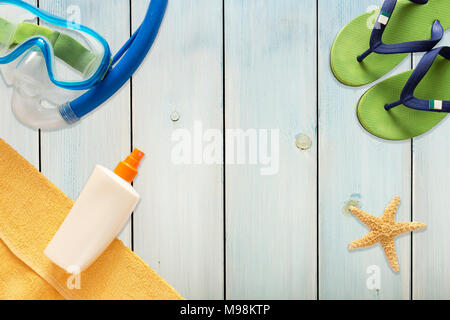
<point x="99" y="214"/>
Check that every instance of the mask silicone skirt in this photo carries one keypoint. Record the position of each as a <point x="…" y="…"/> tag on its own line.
<point x="60" y="71"/>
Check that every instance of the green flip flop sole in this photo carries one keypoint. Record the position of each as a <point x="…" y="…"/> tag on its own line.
<point x="401" y="123"/>
<point x="409" y="22"/>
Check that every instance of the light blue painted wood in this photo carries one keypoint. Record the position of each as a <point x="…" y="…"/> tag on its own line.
<point x="355" y="164"/>
<point x="179" y="223"/>
<point x="271" y="220"/>
<point x="431" y="261"/>
<point x="21" y="138"/>
<point x="104" y="137"/>
<point x="271" y="84"/>
<point x="431" y="206"/>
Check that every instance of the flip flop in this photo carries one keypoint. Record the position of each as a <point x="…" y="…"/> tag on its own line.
<point x="399" y="26"/>
<point x="414" y="114"/>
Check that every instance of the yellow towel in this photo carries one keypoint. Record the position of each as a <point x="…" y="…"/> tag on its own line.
<point x="31" y="210"/>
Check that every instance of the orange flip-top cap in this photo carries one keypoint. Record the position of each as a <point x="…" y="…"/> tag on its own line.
<point x="127" y="169"/>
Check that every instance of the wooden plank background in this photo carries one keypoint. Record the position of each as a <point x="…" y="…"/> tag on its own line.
<point x="354" y="165"/>
<point x="216" y="231"/>
<point x="271" y="220"/>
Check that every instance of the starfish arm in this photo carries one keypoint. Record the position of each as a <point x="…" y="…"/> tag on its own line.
<point x="391" y="253"/>
<point x="367" y="219"/>
<point x="391" y="210"/>
<point x="405" y="227"/>
<point x="368" y="240"/>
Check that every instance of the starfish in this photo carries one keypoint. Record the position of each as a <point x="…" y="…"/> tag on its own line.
<point x="384" y="230"/>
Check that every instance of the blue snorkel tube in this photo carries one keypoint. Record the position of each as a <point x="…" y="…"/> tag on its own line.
<point x="131" y="57"/>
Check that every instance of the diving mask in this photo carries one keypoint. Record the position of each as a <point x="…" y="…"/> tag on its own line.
<point x="51" y="62"/>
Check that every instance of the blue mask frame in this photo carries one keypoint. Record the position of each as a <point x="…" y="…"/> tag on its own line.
<point x="45" y="47"/>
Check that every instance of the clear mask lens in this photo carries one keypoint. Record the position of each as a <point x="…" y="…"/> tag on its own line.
<point x="36" y="98"/>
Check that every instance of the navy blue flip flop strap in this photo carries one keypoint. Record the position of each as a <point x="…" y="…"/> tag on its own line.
<point x="377" y="45"/>
<point x="407" y="97"/>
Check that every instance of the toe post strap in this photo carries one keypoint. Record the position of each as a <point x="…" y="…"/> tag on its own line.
<point x="407" y="97"/>
<point x="377" y="45"/>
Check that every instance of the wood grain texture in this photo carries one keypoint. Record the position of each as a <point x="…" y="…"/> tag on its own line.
<point x="271" y="84"/>
<point x="104" y="137"/>
<point x="354" y="164"/>
<point x="179" y="223"/>
<point x="430" y="248"/>
<point x="430" y="251"/>
<point x="20" y="137"/>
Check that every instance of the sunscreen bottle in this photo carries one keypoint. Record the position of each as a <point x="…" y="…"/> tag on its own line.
<point x="97" y="217"/>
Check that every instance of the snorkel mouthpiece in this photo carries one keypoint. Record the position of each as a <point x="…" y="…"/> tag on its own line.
<point x="36" y="101"/>
<point x="30" y="112"/>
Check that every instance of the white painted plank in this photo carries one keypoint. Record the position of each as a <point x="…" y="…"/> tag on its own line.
<point x="70" y="155"/>
<point x="355" y="164"/>
<point x="20" y="137"/>
<point x="271" y="84"/>
<point x="431" y="205"/>
<point x="178" y="226"/>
